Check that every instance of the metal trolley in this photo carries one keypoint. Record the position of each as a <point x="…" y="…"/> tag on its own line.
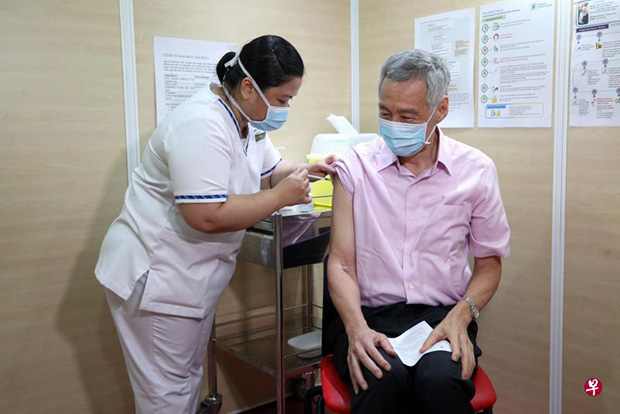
<point x="283" y="240"/>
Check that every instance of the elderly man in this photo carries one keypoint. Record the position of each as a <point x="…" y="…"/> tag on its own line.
<point x="407" y="211"/>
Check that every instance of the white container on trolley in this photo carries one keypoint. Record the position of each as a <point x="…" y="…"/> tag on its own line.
<point x="307" y="345"/>
<point x="338" y="144"/>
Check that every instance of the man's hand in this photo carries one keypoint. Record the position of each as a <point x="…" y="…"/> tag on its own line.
<point x="363" y="345"/>
<point x="454" y="329"/>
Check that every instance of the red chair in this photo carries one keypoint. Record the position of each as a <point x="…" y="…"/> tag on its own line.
<point x="334" y="393"/>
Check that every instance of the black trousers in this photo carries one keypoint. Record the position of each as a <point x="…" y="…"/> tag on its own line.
<point x="433" y="386"/>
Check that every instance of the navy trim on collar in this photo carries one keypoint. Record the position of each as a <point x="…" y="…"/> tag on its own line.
<point x="232" y="116"/>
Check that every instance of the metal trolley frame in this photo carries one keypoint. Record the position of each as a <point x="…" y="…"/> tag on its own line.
<point x="283" y="240"/>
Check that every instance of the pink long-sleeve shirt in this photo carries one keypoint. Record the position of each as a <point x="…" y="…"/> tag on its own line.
<point x="413" y="233"/>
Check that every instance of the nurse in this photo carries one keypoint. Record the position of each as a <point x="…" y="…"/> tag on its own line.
<point x="208" y="172"/>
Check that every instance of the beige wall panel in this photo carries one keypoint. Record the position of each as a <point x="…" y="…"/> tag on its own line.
<point x="592" y="260"/>
<point x="515" y="326"/>
<point x="62" y="178"/>
<point x="320" y="30"/>
<point x="592" y="285"/>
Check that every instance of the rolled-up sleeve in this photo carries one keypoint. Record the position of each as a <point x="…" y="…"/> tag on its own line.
<point x="490" y="232"/>
<point x="345" y="169"/>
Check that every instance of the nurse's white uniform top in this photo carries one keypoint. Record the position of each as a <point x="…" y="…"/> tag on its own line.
<point x="194" y="156"/>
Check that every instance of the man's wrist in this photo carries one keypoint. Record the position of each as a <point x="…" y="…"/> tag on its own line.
<point x="354" y="327"/>
<point x="473" y="307"/>
<point x="464" y="311"/>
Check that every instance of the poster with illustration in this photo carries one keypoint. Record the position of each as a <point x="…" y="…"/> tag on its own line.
<point x="515" y="64"/>
<point x="595" y="64"/>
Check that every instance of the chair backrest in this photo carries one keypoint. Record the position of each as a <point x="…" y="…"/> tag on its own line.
<point x="329" y="310"/>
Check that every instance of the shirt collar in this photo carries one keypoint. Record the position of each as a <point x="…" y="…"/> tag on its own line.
<point x="444" y="157"/>
<point x="386" y="157"/>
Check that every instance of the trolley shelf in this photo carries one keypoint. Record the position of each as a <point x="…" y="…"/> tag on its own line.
<point x="257" y="347"/>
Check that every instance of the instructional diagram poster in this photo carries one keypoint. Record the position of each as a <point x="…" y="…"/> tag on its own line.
<point x="595" y="64"/>
<point x="182" y="67"/>
<point x="452" y="35"/>
<point x="515" y="68"/>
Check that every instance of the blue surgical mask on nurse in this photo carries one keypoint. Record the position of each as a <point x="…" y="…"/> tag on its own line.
<point x="276" y="116"/>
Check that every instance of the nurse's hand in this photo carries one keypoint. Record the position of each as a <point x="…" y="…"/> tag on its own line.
<point x="294" y="189"/>
<point x="323" y="167"/>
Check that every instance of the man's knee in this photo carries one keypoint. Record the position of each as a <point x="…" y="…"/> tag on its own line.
<point x="437" y="374"/>
<point x="395" y="380"/>
<point x="389" y="394"/>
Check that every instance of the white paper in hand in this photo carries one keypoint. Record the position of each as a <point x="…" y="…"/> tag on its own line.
<point x="408" y="344"/>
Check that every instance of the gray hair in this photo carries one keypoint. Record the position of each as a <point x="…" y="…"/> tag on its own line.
<point x="419" y="64"/>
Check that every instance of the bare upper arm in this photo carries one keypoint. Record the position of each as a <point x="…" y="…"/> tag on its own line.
<point x="342" y="250"/>
<point x="282" y="170"/>
<point x="490" y="263"/>
<point x="200" y="216"/>
<point x="265" y="183"/>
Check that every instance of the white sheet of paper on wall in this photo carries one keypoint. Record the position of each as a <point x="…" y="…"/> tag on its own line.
<point x="515" y="64"/>
<point x="182" y="67"/>
<point x="594" y="82"/>
<point x="452" y="35"/>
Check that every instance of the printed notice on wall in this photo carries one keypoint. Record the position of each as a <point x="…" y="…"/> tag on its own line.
<point x="595" y="64"/>
<point x="452" y="35"/>
<point x="515" y="64"/>
<point x="182" y="67"/>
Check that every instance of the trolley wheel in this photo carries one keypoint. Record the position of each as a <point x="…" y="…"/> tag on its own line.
<point x="210" y="405"/>
<point x="300" y="388"/>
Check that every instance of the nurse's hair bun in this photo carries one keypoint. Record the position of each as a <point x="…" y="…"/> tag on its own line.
<point x="269" y="59"/>
<point x="222" y="69"/>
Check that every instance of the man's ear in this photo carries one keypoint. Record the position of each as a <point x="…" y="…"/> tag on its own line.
<point x="443" y="109"/>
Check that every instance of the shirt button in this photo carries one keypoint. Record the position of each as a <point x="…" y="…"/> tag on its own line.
<point x="410" y="285"/>
<point x="411" y="218"/>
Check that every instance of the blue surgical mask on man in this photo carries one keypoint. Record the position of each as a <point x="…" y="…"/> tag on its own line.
<point x="405" y="139"/>
<point x="276" y="116"/>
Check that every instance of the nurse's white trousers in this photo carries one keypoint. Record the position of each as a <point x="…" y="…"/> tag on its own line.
<point x="163" y="354"/>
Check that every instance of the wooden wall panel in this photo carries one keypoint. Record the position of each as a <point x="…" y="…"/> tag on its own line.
<point x="592" y="263"/>
<point x="64" y="175"/>
<point x="62" y="169"/>
<point x="320" y="30"/>
<point x="592" y="271"/>
<point x="62" y="178"/>
<point x="514" y="331"/>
